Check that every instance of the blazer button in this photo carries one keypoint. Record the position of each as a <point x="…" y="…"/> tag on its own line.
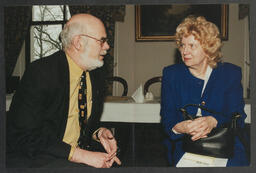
<point x="203" y="103"/>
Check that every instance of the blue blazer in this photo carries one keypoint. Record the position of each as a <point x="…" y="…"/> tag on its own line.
<point x="223" y="93"/>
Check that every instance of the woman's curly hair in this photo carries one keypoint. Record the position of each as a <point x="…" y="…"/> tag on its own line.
<point x="207" y="33"/>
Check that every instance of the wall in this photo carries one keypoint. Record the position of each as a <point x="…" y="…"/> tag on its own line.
<point x="139" y="61"/>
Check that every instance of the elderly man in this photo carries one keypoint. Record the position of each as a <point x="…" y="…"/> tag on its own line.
<point x="56" y="110"/>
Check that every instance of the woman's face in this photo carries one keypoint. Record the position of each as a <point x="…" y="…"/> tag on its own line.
<point x="192" y="53"/>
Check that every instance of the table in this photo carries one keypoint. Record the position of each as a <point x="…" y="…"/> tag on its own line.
<point x="124" y="109"/>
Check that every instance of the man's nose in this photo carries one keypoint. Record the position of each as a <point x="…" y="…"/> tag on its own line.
<point x="106" y="46"/>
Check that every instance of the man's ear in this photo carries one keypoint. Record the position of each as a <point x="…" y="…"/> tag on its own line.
<point x="76" y="42"/>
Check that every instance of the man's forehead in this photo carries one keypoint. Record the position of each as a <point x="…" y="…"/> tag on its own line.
<point x="97" y="29"/>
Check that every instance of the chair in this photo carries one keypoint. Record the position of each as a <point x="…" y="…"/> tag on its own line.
<point x="150" y="82"/>
<point x="120" y="80"/>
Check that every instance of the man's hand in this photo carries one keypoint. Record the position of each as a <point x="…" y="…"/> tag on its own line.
<point x="109" y="143"/>
<point x="94" y="159"/>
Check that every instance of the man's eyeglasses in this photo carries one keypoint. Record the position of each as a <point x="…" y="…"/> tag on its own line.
<point x="102" y="40"/>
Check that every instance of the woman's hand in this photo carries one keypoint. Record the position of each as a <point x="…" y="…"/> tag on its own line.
<point x="182" y="127"/>
<point x="200" y="127"/>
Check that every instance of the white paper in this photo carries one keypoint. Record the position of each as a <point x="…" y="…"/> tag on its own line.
<point x="196" y="160"/>
<point x="138" y="95"/>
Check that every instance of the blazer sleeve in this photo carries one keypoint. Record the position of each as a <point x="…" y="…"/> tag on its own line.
<point x="233" y="96"/>
<point x="169" y="113"/>
<point x="26" y="132"/>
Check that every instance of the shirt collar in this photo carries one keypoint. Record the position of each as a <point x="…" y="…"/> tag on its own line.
<point x="73" y="67"/>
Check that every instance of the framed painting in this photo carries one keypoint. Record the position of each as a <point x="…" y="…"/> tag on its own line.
<point x="159" y="22"/>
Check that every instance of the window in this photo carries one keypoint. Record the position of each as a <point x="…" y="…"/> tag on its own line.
<point x="47" y="23"/>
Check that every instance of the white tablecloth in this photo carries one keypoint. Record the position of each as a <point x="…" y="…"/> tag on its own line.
<point x="148" y="112"/>
<point x="131" y="112"/>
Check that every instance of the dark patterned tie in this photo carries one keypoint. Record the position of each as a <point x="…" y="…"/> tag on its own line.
<point x="82" y="106"/>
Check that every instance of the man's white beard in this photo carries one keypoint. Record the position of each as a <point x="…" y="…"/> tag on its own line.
<point x="91" y="63"/>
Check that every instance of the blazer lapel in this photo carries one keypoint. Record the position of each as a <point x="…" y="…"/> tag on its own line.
<point x="94" y="87"/>
<point x="63" y="71"/>
<point x="210" y="82"/>
<point x="95" y="92"/>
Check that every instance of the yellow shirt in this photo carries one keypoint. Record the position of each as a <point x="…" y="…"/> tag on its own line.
<point x="72" y="131"/>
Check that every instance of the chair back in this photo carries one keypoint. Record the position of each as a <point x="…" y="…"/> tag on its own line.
<point x="120" y="80"/>
<point x="150" y="82"/>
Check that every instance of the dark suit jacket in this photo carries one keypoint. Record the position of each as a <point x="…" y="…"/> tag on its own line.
<point x="38" y="113"/>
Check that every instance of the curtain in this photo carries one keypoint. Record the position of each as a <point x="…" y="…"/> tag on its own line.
<point x="16" y="25"/>
<point x="108" y="15"/>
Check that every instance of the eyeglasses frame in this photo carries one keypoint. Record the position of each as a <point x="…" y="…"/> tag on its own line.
<point x="102" y="40"/>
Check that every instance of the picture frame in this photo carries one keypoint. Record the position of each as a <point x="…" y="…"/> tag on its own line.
<point x="159" y="22"/>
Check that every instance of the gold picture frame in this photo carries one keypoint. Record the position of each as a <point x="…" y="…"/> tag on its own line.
<point x="158" y="22"/>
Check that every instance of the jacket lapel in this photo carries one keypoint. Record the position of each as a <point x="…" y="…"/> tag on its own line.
<point x="211" y="82"/>
<point x="63" y="71"/>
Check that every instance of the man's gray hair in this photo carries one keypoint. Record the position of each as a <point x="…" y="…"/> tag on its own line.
<point x="69" y="31"/>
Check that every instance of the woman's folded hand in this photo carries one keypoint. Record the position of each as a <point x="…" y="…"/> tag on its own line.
<point x="200" y="127"/>
<point x="197" y="128"/>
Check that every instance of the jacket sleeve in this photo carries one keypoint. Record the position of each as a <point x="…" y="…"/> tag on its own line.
<point x="169" y="113"/>
<point x="27" y="133"/>
<point x="233" y="97"/>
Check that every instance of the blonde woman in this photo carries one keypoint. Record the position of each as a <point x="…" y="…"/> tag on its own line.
<point x="200" y="46"/>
